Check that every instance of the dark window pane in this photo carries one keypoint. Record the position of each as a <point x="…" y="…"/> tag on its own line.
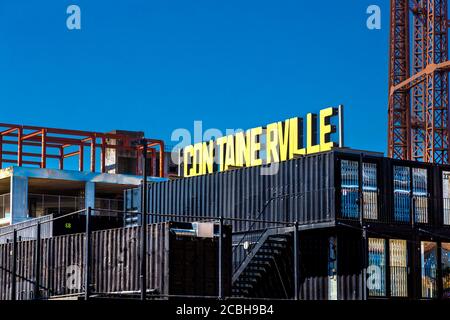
<point x="349" y="189"/>
<point x="445" y="261"/>
<point x="420" y="195"/>
<point x="398" y="268"/>
<point x="68" y="204"/>
<point x="429" y="263"/>
<point x="35" y="205"/>
<point x="446" y="196"/>
<point x="402" y="193"/>
<point x="51" y="204"/>
<point x="377" y="267"/>
<point x="370" y="191"/>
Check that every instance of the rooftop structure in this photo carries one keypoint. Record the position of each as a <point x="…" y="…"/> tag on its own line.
<point x="112" y="152"/>
<point x="49" y="171"/>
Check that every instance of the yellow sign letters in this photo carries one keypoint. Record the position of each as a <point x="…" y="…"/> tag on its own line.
<point x="278" y="141"/>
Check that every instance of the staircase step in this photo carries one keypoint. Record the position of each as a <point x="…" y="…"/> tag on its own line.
<point x="280" y="244"/>
<point x="241" y="293"/>
<point x="270" y="251"/>
<point x="277" y="240"/>
<point x="255" y="268"/>
<point x="246" y="280"/>
<point x="251" y="275"/>
<point x="243" y="285"/>
<point x="263" y="258"/>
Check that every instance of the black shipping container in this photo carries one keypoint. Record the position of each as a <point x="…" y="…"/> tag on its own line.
<point x="302" y="190"/>
<point x="177" y="263"/>
<point x="70" y="224"/>
<point x="340" y="199"/>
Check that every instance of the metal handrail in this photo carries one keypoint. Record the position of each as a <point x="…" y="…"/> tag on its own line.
<point x="263" y="231"/>
<point x="42" y="222"/>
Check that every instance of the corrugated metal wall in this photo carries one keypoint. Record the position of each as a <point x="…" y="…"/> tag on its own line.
<point x="116" y="259"/>
<point x="116" y="263"/>
<point x="59" y="258"/>
<point x="28" y="231"/>
<point x="351" y="273"/>
<point x="302" y="190"/>
<point x="313" y="266"/>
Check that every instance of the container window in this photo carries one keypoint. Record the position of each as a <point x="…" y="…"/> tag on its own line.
<point x="445" y="262"/>
<point x="377" y="267"/>
<point x="446" y="196"/>
<point x="402" y="193"/>
<point x="349" y="189"/>
<point x="429" y="269"/>
<point x="420" y="195"/>
<point x="398" y="255"/>
<point x="370" y="191"/>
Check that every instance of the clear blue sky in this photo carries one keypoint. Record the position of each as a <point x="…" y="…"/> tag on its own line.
<point x="159" y="65"/>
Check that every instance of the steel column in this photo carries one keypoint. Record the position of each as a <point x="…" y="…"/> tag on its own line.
<point x="61" y="158"/>
<point x="103" y="156"/>
<point x="418" y="91"/>
<point x="87" y="255"/>
<point x="44" y="149"/>
<point x="296" y="264"/>
<point x="93" y="146"/>
<point x="220" y="258"/>
<point x="1" y="152"/>
<point x="399" y="118"/>
<point x="14" y="267"/>
<point x="19" y="148"/>
<point x="81" y="158"/>
<point x="144" y="224"/>
<point x="37" y="264"/>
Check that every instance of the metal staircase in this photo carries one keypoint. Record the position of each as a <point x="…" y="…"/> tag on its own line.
<point x="266" y="267"/>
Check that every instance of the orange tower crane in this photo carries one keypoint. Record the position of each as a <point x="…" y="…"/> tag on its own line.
<point x="418" y="126"/>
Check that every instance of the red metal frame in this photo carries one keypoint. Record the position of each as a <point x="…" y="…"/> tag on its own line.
<point x="58" y="140"/>
<point x="418" y="130"/>
<point x="399" y="143"/>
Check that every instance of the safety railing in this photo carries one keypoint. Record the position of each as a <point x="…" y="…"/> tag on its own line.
<point x="73" y="264"/>
<point x="405" y="209"/>
<point x="248" y="241"/>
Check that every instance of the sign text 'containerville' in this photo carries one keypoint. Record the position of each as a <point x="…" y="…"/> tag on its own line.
<point x="278" y="141"/>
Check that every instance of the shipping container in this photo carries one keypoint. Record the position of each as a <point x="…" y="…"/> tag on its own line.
<point x="53" y="225"/>
<point x="179" y="262"/>
<point x="301" y="190"/>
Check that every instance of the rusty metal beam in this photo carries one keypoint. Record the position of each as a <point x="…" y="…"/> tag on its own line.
<point x="399" y="142"/>
<point x="29" y="154"/>
<point x="44" y="137"/>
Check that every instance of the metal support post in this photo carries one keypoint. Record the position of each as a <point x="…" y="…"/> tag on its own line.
<point x="37" y="264"/>
<point x="87" y="255"/>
